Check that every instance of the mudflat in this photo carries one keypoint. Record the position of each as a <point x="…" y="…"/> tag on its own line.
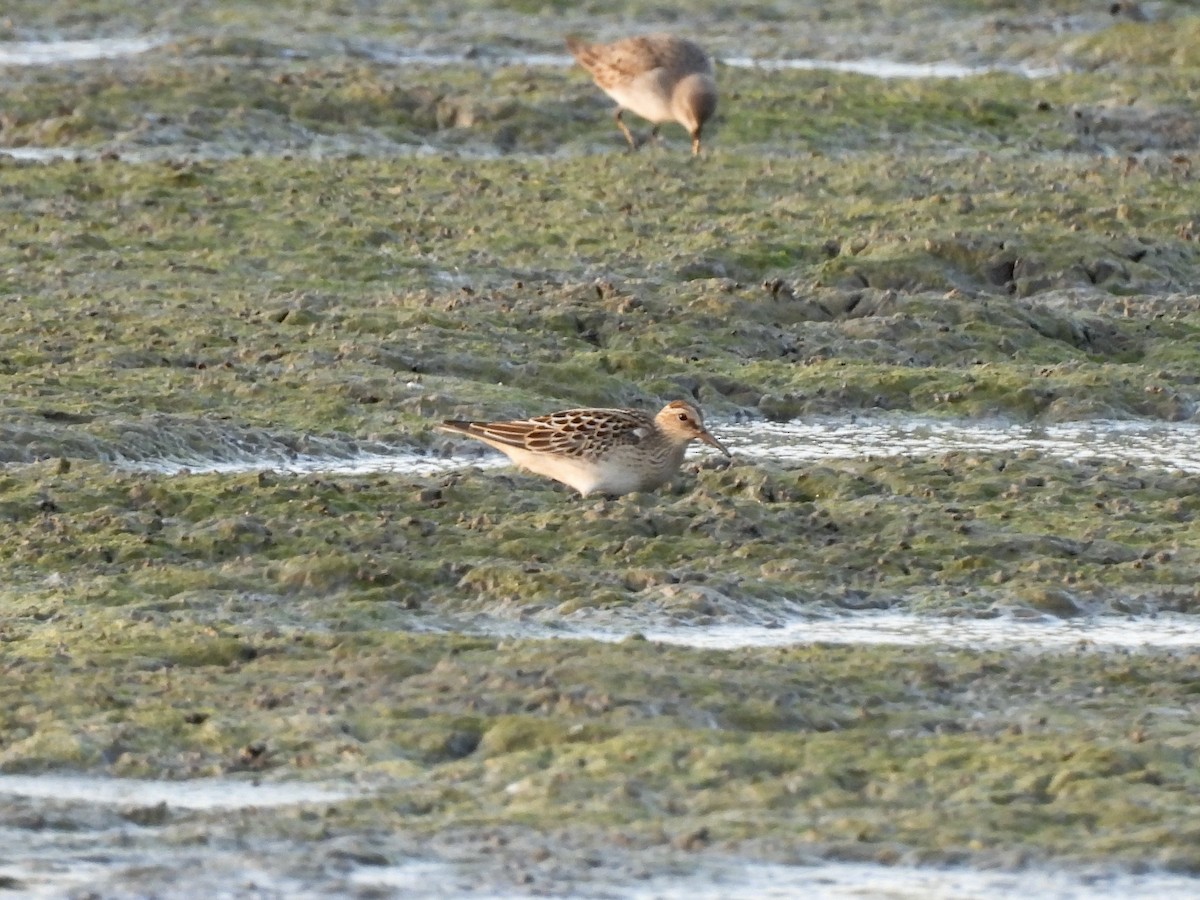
<point x="320" y="235"/>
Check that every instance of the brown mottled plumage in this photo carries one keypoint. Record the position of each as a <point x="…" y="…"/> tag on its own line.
<point x="660" y="77"/>
<point x="611" y="451"/>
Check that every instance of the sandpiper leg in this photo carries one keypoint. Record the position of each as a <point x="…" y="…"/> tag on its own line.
<point x="625" y="130"/>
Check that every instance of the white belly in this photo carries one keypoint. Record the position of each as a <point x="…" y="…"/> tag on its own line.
<point x="607" y="476"/>
<point x="647" y="96"/>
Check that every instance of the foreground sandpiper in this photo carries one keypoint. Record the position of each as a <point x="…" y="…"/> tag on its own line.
<point x="660" y="77"/>
<point x="609" y="451"/>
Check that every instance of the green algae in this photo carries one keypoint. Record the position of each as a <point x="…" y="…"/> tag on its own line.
<point x="847" y="746"/>
<point x="203" y="625"/>
<point x="1167" y="44"/>
<point x="248" y="290"/>
<point x="962" y="532"/>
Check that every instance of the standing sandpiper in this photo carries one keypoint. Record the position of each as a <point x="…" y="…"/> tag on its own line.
<point x="610" y="451"/>
<point x="660" y="77"/>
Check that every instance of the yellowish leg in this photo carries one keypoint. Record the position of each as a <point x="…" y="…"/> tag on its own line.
<point x="625" y="130"/>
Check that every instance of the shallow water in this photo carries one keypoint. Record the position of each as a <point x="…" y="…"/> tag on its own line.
<point x="194" y="794"/>
<point x="832" y="880"/>
<point x="54" y="864"/>
<point x="44" y="154"/>
<point x="48" y="53"/>
<point x="1040" y="633"/>
<point x="72" y="850"/>
<point x="42" y="53"/>
<point x="401" y="461"/>
<point x="127" y="862"/>
<point x="1173" y="445"/>
<point x="1032" y="633"/>
<point x="886" y="68"/>
<point x="871" y="67"/>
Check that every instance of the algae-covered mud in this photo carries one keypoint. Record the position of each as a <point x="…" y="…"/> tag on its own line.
<point x="254" y="253"/>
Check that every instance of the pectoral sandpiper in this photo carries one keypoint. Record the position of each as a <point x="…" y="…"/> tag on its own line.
<point x="610" y="451"/>
<point x="660" y="77"/>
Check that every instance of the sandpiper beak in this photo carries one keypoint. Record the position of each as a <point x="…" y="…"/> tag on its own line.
<point x="713" y="442"/>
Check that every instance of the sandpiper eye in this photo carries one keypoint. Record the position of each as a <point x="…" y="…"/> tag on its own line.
<point x="683" y="417"/>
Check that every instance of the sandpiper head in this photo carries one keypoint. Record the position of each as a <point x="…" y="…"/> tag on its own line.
<point x="682" y="423"/>
<point x="694" y="100"/>
<point x="693" y="103"/>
